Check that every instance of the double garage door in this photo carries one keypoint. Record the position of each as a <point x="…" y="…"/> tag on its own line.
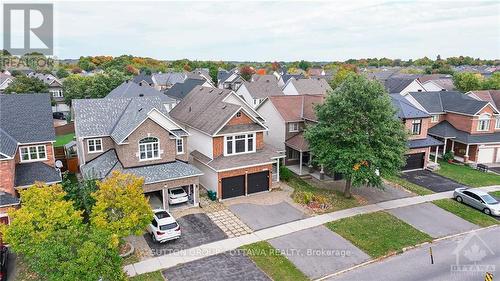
<point x="488" y="155"/>
<point x="235" y="186"/>
<point x="414" y="161"/>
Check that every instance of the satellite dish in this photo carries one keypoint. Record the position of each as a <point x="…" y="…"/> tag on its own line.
<point x="59" y="164"/>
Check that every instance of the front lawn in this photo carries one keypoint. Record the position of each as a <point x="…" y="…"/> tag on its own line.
<point x="272" y="262"/>
<point x="465" y="212"/>
<point x="495" y="193"/>
<point x="315" y="197"/>
<point x="466" y="175"/>
<point x="64" y="139"/>
<point x="417" y="189"/>
<point x="378" y="234"/>
<point x="152" y="276"/>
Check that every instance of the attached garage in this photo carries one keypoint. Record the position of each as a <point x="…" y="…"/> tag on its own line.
<point x="414" y="161"/>
<point x="485" y="155"/>
<point x="233" y="187"/>
<point x="258" y="182"/>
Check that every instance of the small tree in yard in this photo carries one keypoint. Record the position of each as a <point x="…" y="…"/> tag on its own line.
<point x="357" y="133"/>
<point x="120" y="205"/>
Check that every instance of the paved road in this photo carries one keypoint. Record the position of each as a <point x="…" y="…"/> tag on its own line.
<point x="414" y="265"/>
<point x="431" y="180"/>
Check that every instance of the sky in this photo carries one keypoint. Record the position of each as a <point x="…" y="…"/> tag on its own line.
<point x="284" y="30"/>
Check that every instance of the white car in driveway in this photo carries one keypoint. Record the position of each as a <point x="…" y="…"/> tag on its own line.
<point x="177" y="195"/>
<point x="163" y="227"/>
<point x="478" y="199"/>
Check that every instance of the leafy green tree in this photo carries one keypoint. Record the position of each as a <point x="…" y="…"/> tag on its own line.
<point x="23" y="84"/>
<point x="120" y="205"/>
<point x="86" y="63"/>
<point x="341" y="74"/>
<point x="467" y="81"/>
<point x="492" y="83"/>
<point x="96" y="86"/>
<point x="80" y="193"/>
<point x="357" y="134"/>
<point x="304" y="65"/>
<point x="62" y="73"/>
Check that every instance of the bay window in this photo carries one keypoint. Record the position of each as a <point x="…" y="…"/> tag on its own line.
<point x="33" y="153"/>
<point x="239" y="144"/>
<point x="149" y="149"/>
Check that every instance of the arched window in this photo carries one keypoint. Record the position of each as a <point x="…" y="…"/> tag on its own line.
<point x="149" y="148"/>
<point x="483" y="124"/>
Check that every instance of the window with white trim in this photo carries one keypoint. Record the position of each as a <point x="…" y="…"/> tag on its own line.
<point x="293" y="127"/>
<point x="33" y="153"/>
<point x="180" y="146"/>
<point x="416" y="126"/>
<point x="239" y="144"/>
<point x="497" y="123"/>
<point x="94" y="145"/>
<point x="149" y="148"/>
<point x="434" y="118"/>
<point x="483" y="123"/>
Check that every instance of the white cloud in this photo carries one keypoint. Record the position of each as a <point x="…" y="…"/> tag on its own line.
<point x="278" y="30"/>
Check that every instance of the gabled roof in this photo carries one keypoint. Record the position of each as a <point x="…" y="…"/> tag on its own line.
<point x="128" y="89"/>
<point x="25" y="118"/>
<point x="312" y="86"/>
<point x="46" y="78"/>
<point x="398" y="84"/>
<point x="405" y="110"/>
<point x="270" y="77"/>
<point x="142" y="77"/>
<point x="7" y="199"/>
<point x="116" y="118"/>
<point x="263" y="87"/>
<point x="28" y="173"/>
<point x="168" y="78"/>
<point x="492" y="96"/>
<point x="287" y="77"/>
<point x="443" y="83"/>
<point x="204" y="109"/>
<point x="448" y="101"/>
<point x="180" y="90"/>
<point x="296" y="108"/>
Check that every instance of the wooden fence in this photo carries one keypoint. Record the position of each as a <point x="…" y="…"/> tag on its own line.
<point x="65" y="129"/>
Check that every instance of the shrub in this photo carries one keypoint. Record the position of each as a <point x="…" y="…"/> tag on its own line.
<point x="285" y="173"/>
<point x="448" y="156"/>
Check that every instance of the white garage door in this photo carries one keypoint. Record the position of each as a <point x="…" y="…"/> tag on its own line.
<point x="485" y="155"/>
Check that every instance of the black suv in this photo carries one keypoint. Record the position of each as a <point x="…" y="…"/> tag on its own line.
<point x="59" y="115"/>
<point x="4" y="258"/>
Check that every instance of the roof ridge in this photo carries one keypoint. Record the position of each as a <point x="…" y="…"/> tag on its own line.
<point x="8" y="135"/>
<point x="120" y="117"/>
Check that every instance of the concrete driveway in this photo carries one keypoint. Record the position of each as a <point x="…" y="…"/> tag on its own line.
<point x="432" y="220"/>
<point x="431" y="180"/>
<point x="318" y="251"/>
<point x="225" y="266"/>
<point x="264" y="216"/>
<point x="197" y="229"/>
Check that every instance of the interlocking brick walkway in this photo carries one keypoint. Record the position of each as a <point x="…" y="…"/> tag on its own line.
<point x="229" y="223"/>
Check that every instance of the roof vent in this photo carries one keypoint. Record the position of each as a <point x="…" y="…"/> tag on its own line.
<point x="220" y="93"/>
<point x="190" y="109"/>
<point x="224" y="107"/>
<point x="443" y="90"/>
<point x="419" y="90"/>
<point x="140" y="83"/>
<point x="211" y="90"/>
<point x="140" y="109"/>
<point x="141" y="95"/>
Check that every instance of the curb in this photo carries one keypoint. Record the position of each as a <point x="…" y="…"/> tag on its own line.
<point x="402" y="251"/>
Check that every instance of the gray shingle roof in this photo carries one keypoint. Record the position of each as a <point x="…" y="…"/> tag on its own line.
<point x="113" y="117"/>
<point x="436" y="102"/>
<point x="104" y="164"/>
<point x="28" y="173"/>
<point x="132" y="90"/>
<point x="429" y="141"/>
<point x="229" y="129"/>
<point x="7" y="199"/>
<point x="142" y="77"/>
<point x="287" y="77"/>
<point x="312" y="86"/>
<point x="26" y="118"/>
<point x="203" y="109"/>
<point x="169" y="78"/>
<point x="263" y="88"/>
<point x="8" y="144"/>
<point x="180" y="90"/>
<point x="397" y="84"/>
<point x="405" y="109"/>
<point x="445" y="129"/>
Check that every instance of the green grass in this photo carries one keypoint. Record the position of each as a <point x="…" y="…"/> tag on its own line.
<point x="378" y="234"/>
<point x="64" y="139"/>
<point x="335" y="200"/>
<point x="466" y="175"/>
<point x="417" y="189"/>
<point x="272" y="262"/>
<point x="495" y="193"/>
<point x="465" y="212"/>
<point x="152" y="276"/>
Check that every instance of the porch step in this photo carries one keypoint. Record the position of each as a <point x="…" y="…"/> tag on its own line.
<point x="308" y="176"/>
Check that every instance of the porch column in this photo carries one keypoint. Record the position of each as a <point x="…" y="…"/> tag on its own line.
<point x="164" y="195"/>
<point x="436" y="156"/>
<point x="466" y="156"/>
<point x="444" y="150"/>
<point x="195" y="195"/>
<point x="278" y="170"/>
<point x="453" y="146"/>
<point x="300" y="163"/>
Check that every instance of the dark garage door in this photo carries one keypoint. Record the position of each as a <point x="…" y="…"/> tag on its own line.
<point x="258" y="182"/>
<point x="414" y="161"/>
<point x="233" y="186"/>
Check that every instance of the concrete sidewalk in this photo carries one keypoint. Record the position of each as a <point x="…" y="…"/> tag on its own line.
<point x="210" y="249"/>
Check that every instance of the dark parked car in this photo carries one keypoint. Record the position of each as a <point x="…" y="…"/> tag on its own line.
<point x="4" y="258"/>
<point x="59" y="115"/>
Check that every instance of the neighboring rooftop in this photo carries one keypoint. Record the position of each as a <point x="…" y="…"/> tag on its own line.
<point x="180" y="90"/>
<point x="442" y="101"/>
<point x="129" y="89"/>
<point x="168" y="78"/>
<point x="296" y="108"/>
<point x="311" y="86"/>
<point x="446" y="130"/>
<point x="395" y="84"/>
<point x="406" y="110"/>
<point x="263" y="87"/>
<point x="28" y="173"/>
<point x="142" y="77"/>
<point x="492" y="96"/>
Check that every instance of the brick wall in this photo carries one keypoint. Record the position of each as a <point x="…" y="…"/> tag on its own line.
<point x="289" y="134"/>
<point x="185" y="156"/>
<point x="260" y="140"/>
<point x="441" y="118"/>
<point x="107" y="144"/>
<point x="49" y="150"/>
<point x="217" y="146"/>
<point x="243" y="119"/>
<point x="461" y="122"/>
<point x="243" y="171"/>
<point x="423" y="129"/>
<point x="7" y="173"/>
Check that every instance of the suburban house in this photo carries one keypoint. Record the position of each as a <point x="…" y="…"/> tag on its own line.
<point x="270" y="77"/>
<point x="403" y="84"/>
<point x="143" y="80"/>
<point x="491" y="96"/>
<point x="5" y="80"/>
<point x="179" y="90"/>
<point x="55" y="89"/>
<point x="437" y="82"/>
<point x="227" y="142"/>
<point x="286" y="117"/>
<point x="26" y="145"/>
<point x="255" y="92"/>
<point x="204" y="73"/>
<point x="469" y="127"/>
<point x="230" y="80"/>
<point x="137" y="136"/>
<point x="315" y="71"/>
<point x="283" y="79"/>
<point x="419" y="143"/>
<point x="311" y="86"/>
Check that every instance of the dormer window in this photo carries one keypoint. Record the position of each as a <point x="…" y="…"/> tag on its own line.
<point x="149" y="149"/>
<point x="483" y="123"/>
